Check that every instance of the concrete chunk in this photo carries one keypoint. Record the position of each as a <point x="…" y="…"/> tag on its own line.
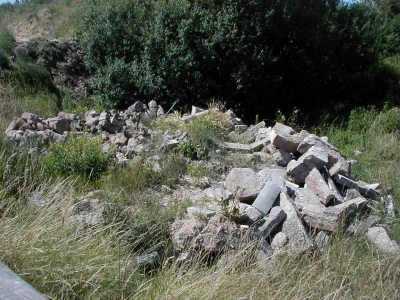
<point x="235" y="147"/>
<point x="252" y="131"/>
<point x="314" y="158"/>
<point x="263" y="133"/>
<point x="284" y="137"/>
<point x="299" y="240"/>
<point x="196" y="210"/>
<point x="269" y="224"/>
<point x="244" y="183"/>
<point x="267" y="197"/>
<point x="317" y="184"/>
<point x="363" y="188"/>
<point x="280" y="156"/>
<point x="217" y="193"/>
<point x="336" y="163"/>
<point x="257" y="146"/>
<point x="330" y="218"/>
<point x="381" y="239"/>
<point x="250" y="215"/>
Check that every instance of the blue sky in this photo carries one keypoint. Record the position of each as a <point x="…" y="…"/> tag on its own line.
<point x="4" y="1"/>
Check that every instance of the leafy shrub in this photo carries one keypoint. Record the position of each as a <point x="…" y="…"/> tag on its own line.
<point x="194" y="151"/>
<point x="32" y="77"/>
<point x="7" y="41"/>
<point x="79" y="155"/>
<point x="4" y="61"/>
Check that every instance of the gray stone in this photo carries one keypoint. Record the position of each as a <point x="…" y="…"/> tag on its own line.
<point x="183" y="233"/>
<point x="153" y="107"/>
<point x="280" y="156"/>
<point x="263" y="133"/>
<point x="258" y="145"/>
<point x="381" y="239"/>
<point x="235" y="147"/>
<point x="317" y="184"/>
<point x="130" y="131"/>
<point x="321" y="240"/>
<point x="120" y="139"/>
<point x="251" y="133"/>
<point x="12" y="287"/>
<point x="185" y="258"/>
<point x="218" y="236"/>
<point x="284" y="137"/>
<point x="336" y="163"/>
<point x="362" y="187"/>
<point x="330" y="218"/>
<point x="267" y="197"/>
<point x="194" y="211"/>
<point x="15" y="124"/>
<point x="217" y="193"/>
<point x="243" y="183"/>
<point x="189" y="117"/>
<point x="67" y="116"/>
<point x="352" y="194"/>
<point x="269" y="224"/>
<point x="279" y="241"/>
<point x="60" y="125"/>
<point x="250" y="215"/>
<point x="278" y="177"/>
<point x="314" y="158"/>
<point x="149" y="260"/>
<point x="389" y="205"/>
<point x="299" y="240"/>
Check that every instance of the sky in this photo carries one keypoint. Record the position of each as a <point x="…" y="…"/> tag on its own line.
<point x="4" y="1"/>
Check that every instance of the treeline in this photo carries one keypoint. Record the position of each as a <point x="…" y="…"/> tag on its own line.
<point x="257" y="56"/>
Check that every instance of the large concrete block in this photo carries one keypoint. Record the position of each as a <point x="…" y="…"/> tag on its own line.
<point x="314" y="158"/>
<point x="284" y="137"/>
<point x="336" y="163"/>
<point x="243" y="183"/>
<point x="252" y="132"/>
<point x="280" y="156"/>
<point x="317" y="184"/>
<point x="381" y="239"/>
<point x="331" y="218"/>
<point x="235" y="147"/>
<point x="299" y="240"/>
<point x="365" y="189"/>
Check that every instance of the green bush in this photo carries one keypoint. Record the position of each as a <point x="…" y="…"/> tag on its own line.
<point x="7" y="41"/>
<point x="31" y="77"/>
<point x="194" y="151"/>
<point x="79" y="155"/>
<point x="258" y="55"/>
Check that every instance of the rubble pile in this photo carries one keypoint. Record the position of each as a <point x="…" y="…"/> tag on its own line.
<point x="289" y="207"/>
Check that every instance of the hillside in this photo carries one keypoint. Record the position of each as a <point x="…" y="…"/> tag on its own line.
<point x="159" y="150"/>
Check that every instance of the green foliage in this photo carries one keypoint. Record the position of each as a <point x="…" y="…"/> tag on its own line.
<point x="30" y="77"/>
<point x="194" y="151"/>
<point x="79" y="155"/>
<point x="269" y="54"/>
<point x="4" y="61"/>
<point x="7" y="41"/>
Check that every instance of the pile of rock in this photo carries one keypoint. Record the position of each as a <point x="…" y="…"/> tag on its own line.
<point x="281" y="206"/>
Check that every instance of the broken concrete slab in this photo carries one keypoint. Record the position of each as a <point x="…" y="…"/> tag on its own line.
<point x="336" y="163"/>
<point x="381" y="239"/>
<point x="314" y="158"/>
<point x="278" y="177"/>
<point x="299" y="240"/>
<point x="321" y="240"/>
<point x="14" y="287"/>
<point x="291" y="187"/>
<point x="235" y="147"/>
<point x="317" y="184"/>
<point x="183" y="232"/>
<point x="280" y="156"/>
<point x="244" y="183"/>
<point x="284" y="137"/>
<point x="269" y="224"/>
<point x="250" y="215"/>
<point x="331" y="218"/>
<point x="194" y="211"/>
<point x="279" y="241"/>
<point x="263" y="133"/>
<point x="362" y="187"/>
<point x="267" y="197"/>
<point x="258" y="145"/>
<point x="251" y="133"/>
